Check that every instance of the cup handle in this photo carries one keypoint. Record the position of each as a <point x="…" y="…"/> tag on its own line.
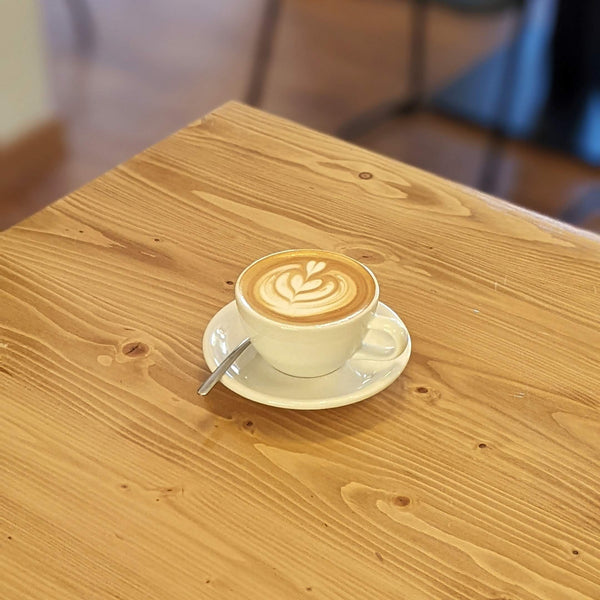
<point x="394" y="331"/>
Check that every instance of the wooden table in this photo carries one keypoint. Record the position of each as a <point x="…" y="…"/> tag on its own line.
<point x="476" y="475"/>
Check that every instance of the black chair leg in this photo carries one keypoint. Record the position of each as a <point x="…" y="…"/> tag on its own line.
<point x="418" y="49"/>
<point x="490" y="170"/>
<point x="83" y="25"/>
<point x="394" y="108"/>
<point x="263" y="52"/>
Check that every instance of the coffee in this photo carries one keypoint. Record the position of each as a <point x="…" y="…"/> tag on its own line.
<point x="307" y="287"/>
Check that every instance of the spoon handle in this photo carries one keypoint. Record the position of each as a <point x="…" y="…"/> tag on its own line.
<point x="216" y="375"/>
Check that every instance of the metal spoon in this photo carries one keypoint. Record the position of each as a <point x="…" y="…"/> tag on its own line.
<point x="216" y="375"/>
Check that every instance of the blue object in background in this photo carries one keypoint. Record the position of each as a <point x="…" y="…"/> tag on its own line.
<point x="527" y="115"/>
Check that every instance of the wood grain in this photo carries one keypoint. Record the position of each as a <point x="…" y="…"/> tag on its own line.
<point x="474" y="476"/>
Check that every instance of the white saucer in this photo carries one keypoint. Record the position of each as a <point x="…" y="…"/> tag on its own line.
<point x="253" y="378"/>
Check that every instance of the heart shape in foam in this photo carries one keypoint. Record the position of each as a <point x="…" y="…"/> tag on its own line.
<point x="312" y="267"/>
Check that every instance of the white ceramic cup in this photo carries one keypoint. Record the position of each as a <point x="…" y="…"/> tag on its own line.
<point x="311" y="350"/>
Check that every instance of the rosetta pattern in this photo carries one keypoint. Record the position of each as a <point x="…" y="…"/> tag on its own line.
<point x="305" y="289"/>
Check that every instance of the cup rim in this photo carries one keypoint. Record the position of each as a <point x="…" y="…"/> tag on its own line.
<point x="241" y="300"/>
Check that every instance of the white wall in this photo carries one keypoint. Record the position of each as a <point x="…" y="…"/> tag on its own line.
<point x="24" y="101"/>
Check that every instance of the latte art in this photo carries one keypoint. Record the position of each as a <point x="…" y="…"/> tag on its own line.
<point x="307" y="286"/>
<point x="305" y="289"/>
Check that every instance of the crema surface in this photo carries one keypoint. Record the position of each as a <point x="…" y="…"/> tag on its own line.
<point x="307" y="286"/>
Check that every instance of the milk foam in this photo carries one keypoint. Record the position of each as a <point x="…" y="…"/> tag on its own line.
<point x="305" y="288"/>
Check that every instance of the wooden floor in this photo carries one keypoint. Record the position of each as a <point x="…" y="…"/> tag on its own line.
<point x="158" y="65"/>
